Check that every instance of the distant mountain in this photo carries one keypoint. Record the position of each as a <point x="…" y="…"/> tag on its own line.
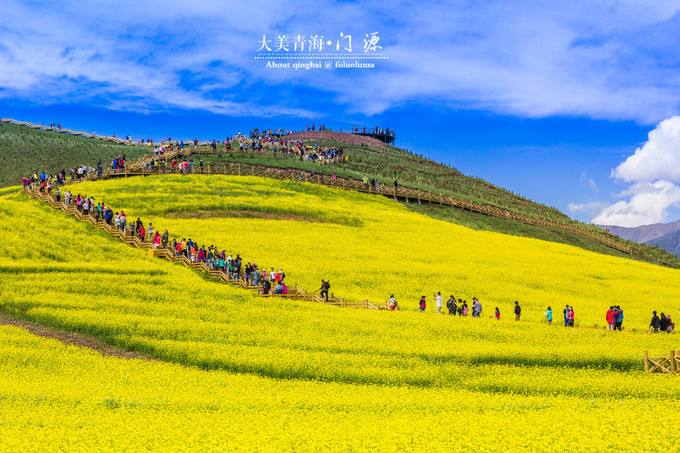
<point x="669" y="242"/>
<point x="645" y="233"/>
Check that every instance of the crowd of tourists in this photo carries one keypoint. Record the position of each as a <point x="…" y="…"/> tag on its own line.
<point x="275" y="143"/>
<point x="270" y="282"/>
<point x="278" y="144"/>
<point x="45" y="181"/>
<point x="661" y="323"/>
<point x="459" y="307"/>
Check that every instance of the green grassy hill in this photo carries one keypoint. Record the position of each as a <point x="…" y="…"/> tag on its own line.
<point x="24" y="150"/>
<point x="417" y="172"/>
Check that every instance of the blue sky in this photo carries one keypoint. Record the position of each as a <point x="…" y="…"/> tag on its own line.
<point x="553" y="100"/>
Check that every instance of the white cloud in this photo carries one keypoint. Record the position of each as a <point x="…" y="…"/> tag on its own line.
<point x="592" y="206"/>
<point x="653" y="171"/>
<point x="108" y="52"/>
<point x="658" y="158"/>
<point x="528" y="59"/>
<point x="648" y="203"/>
<point x="588" y="182"/>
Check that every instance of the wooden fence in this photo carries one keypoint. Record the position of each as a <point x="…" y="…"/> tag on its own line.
<point x="400" y="193"/>
<point x="68" y="131"/>
<point x="294" y="292"/>
<point x="667" y="365"/>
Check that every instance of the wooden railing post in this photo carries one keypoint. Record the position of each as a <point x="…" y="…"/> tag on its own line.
<point x="674" y="369"/>
<point x="645" y="358"/>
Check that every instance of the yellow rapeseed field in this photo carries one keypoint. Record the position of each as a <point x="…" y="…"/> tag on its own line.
<point x="370" y="247"/>
<point x="56" y="398"/>
<point x="258" y="374"/>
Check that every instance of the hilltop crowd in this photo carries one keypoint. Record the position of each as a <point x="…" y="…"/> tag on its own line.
<point x="277" y="143"/>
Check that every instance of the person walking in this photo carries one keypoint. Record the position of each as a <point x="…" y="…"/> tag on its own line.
<point x="570" y="316"/>
<point x="549" y="315"/>
<point x="518" y="311"/>
<point x="663" y="323"/>
<point x="392" y="303"/>
<point x="422" y="305"/>
<point x="497" y="314"/>
<point x="618" y="318"/>
<point x="476" y="308"/>
<point x="451" y="305"/>
<point x="438" y="301"/>
<point x="325" y="286"/>
<point x="655" y="323"/>
<point x="609" y="317"/>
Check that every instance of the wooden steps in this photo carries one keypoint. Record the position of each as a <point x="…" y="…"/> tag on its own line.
<point x="295" y="292"/>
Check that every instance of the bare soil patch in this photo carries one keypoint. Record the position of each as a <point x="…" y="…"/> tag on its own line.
<point x="342" y="137"/>
<point x="72" y="338"/>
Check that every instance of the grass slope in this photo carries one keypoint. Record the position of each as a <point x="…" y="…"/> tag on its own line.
<point x="24" y="150"/>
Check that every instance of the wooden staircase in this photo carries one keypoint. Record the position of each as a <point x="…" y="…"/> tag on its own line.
<point x="294" y="292"/>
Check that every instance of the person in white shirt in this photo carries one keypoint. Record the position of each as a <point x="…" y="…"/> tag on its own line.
<point x="439" y="301"/>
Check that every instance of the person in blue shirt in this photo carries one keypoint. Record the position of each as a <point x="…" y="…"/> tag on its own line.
<point x="618" y="318"/>
<point x="549" y="315"/>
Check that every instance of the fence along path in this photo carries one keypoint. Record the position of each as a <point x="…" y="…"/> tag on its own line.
<point x="67" y="131"/>
<point x="138" y="168"/>
<point x="400" y="193"/>
<point x="666" y="365"/>
<point x="294" y="292"/>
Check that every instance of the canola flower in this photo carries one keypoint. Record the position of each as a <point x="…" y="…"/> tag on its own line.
<point x="63" y="273"/>
<point x="56" y="398"/>
<point x="243" y="373"/>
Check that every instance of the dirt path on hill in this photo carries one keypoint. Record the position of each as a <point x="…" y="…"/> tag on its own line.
<point x="343" y="137"/>
<point x="72" y="338"/>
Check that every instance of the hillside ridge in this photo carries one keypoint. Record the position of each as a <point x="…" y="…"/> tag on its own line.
<point x="386" y="166"/>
